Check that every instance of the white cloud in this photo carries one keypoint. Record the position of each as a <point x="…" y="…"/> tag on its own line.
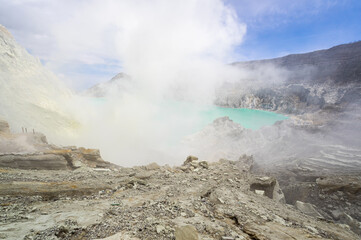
<point x="272" y="13"/>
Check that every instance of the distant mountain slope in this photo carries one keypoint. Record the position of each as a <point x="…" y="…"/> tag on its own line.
<point x="119" y="83"/>
<point x="309" y="82"/>
<point x="340" y="64"/>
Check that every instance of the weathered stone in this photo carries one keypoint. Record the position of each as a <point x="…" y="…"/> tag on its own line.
<point x="245" y="163"/>
<point x="187" y="232"/>
<point x="36" y="161"/>
<point x="227" y="238"/>
<point x="152" y="166"/>
<point x="160" y="228"/>
<point x="308" y="209"/>
<point x="336" y="214"/>
<point x="259" y="192"/>
<point x="270" y="187"/>
<point x="190" y="159"/>
<point x="204" y="164"/>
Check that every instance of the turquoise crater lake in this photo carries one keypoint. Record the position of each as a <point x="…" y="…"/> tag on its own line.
<point x="189" y="117"/>
<point x="248" y="118"/>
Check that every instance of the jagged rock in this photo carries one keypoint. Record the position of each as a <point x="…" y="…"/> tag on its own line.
<point x="308" y="209"/>
<point x="186" y="233"/>
<point x="310" y="81"/>
<point x="204" y="164"/>
<point x="245" y="163"/>
<point x="190" y="159"/>
<point x="270" y="187"/>
<point x="152" y="166"/>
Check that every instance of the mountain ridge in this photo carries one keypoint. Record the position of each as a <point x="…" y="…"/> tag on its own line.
<point x="341" y="63"/>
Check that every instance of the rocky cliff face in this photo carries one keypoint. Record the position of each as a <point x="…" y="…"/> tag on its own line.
<point x="301" y="144"/>
<point x="312" y="81"/>
<point x="32" y="151"/>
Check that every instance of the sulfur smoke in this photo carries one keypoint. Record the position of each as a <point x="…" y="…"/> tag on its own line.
<point x="174" y="51"/>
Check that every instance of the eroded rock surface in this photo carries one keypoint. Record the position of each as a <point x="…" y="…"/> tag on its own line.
<point x="151" y="203"/>
<point x="32" y="151"/>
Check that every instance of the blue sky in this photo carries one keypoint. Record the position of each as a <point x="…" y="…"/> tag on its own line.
<point x="305" y="26"/>
<point x="77" y="39"/>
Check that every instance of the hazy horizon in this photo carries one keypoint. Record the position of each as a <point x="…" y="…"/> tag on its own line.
<point x="80" y="41"/>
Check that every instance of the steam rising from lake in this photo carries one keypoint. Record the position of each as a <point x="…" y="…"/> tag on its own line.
<point x="173" y="50"/>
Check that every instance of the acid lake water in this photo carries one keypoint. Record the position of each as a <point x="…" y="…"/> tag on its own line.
<point x="248" y="118"/>
<point x="179" y="119"/>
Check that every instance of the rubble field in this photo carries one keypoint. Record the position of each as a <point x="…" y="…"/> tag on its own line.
<point x="198" y="200"/>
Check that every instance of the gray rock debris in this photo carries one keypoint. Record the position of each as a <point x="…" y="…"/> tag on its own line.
<point x="135" y="203"/>
<point x="192" y="164"/>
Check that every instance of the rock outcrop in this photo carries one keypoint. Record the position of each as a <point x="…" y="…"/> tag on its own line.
<point x="269" y="187"/>
<point x="32" y="151"/>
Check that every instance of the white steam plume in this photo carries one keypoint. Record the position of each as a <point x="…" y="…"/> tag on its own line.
<point x="172" y="50"/>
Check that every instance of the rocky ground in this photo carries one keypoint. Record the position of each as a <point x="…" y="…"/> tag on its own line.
<point x="198" y="200"/>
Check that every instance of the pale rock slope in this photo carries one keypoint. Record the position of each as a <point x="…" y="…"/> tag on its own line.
<point x="30" y="95"/>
